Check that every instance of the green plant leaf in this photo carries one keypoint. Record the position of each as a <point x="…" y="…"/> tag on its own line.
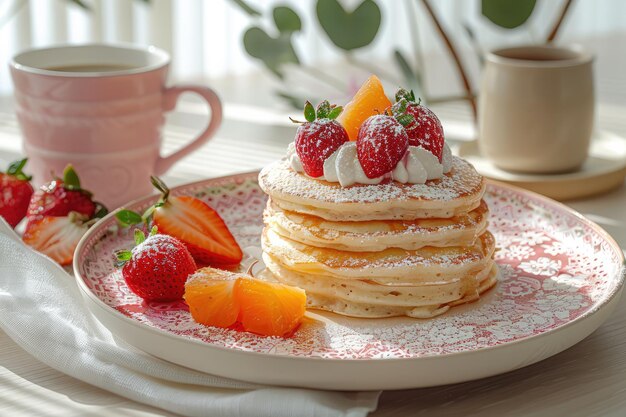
<point x="81" y="4"/>
<point x="286" y="19"/>
<point x="274" y="52"/>
<point x="411" y="78"/>
<point x="246" y="8"/>
<point x="508" y="14"/>
<point x="128" y="217"/>
<point x="349" y="30"/>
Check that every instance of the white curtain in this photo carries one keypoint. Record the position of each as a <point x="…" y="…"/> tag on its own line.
<point x="204" y="36"/>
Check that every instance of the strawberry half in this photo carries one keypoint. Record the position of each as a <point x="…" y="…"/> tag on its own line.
<point x="15" y="193"/>
<point x="318" y="137"/>
<point x="194" y="223"/>
<point x="426" y="130"/>
<point x="157" y="268"/>
<point x="382" y="142"/>
<point x="59" y="197"/>
<point x="56" y="237"/>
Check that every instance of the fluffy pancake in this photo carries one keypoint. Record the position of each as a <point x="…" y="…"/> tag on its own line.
<point x="391" y="266"/>
<point x="377" y="235"/>
<point x="458" y="192"/>
<point x="366" y="299"/>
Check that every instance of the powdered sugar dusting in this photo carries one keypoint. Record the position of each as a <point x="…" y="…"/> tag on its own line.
<point x="279" y="180"/>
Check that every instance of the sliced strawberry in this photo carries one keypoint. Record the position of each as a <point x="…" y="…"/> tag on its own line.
<point x="157" y="268"/>
<point x="56" y="237"/>
<point x="381" y="143"/>
<point x="200" y="228"/>
<point x="425" y="130"/>
<point x="61" y="196"/>
<point x="15" y="193"/>
<point x="318" y="137"/>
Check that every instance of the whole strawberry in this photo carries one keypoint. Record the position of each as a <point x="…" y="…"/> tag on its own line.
<point x="319" y="137"/>
<point x="157" y="268"/>
<point x="426" y="130"/>
<point x="382" y="142"/>
<point x="15" y="193"/>
<point x="61" y="196"/>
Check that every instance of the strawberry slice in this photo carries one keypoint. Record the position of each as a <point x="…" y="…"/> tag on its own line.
<point x="56" y="236"/>
<point x="194" y="223"/>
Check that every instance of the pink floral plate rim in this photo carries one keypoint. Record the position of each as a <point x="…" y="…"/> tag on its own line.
<point x="533" y="263"/>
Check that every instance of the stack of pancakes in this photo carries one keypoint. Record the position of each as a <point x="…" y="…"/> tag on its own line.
<point x="381" y="250"/>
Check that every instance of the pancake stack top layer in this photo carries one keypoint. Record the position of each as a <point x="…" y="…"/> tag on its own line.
<point x="380" y="248"/>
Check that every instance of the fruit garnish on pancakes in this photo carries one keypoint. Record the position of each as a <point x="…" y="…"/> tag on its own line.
<point x="319" y="137"/>
<point x="425" y="130"/>
<point x="227" y="299"/>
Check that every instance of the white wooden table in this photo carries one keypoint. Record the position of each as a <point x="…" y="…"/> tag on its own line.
<point x="588" y="379"/>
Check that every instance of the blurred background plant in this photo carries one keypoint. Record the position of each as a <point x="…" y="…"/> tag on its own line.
<point x="351" y="31"/>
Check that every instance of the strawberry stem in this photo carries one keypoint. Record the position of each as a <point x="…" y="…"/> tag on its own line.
<point x="407" y="95"/>
<point x="160" y="185"/>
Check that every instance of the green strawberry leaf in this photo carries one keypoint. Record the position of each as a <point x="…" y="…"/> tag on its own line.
<point x="128" y="217"/>
<point x="153" y="231"/>
<point x="309" y="112"/>
<point x="70" y="178"/>
<point x="405" y="119"/>
<point x="101" y="210"/>
<point x="15" y="169"/>
<point x="335" y="112"/>
<point x="139" y="236"/>
<point x="123" y="255"/>
<point x="323" y="109"/>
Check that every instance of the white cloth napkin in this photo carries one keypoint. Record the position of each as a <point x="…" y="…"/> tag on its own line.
<point x="42" y="310"/>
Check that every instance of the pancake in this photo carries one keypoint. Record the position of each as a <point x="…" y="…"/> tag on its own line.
<point x="457" y="192"/>
<point x="377" y="235"/>
<point x="365" y="299"/>
<point x="390" y="266"/>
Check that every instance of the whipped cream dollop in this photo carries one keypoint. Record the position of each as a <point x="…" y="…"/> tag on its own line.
<point x="416" y="167"/>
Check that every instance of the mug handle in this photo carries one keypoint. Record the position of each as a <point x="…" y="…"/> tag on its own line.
<point x="170" y="97"/>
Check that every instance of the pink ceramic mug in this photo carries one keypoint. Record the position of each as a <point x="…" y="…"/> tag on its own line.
<point x="101" y="108"/>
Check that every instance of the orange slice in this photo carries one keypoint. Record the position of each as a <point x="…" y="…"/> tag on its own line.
<point x="211" y="297"/>
<point x="268" y="308"/>
<point x="222" y="299"/>
<point x="368" y="101"/>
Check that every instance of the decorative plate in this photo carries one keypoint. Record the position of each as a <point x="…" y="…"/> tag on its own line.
<point x="560" y="277"/>
<point x="604" y="170"/>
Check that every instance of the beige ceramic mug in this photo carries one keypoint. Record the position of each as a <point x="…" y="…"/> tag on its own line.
<point x="536" y="108"/>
